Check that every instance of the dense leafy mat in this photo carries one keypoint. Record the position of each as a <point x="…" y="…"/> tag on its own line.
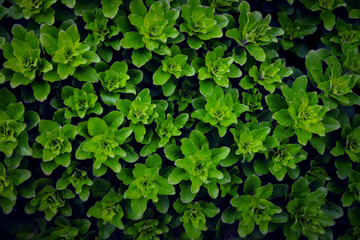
<point x="211" y="119"/>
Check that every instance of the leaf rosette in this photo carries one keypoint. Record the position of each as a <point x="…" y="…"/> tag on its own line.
<point x="71" y="56"/>
<point x="154" y="29"/>
<point x="9" y="180"/>
<point x="270" y="75"/>
<point x="196" y="162"/>
<point x="145" y="184"/>
<point x="40" y="10"/>
<point x="201" y="23"/>
<point x="105" y="143"/>
<point x="217" y="68"/>
<point x="194" y="216"/>
<point x="310" y="213"/>
<point x="252" y="138"/>
<point x="254" y="32"/>
<point x="51" y="202"/>
<point x="53" y="145"/>
<point x="220" y="110"/>
<point x="108" y="210"/>
<point x="140" y="112"/>
<point x="81" y="102"/>
<point x="253" y="208"/>
<point x="301" y="112"/>
<point x="78" y="178"/>
<point x="24" y="59"/>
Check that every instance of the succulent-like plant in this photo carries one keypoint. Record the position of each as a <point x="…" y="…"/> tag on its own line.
<point x="108" y="210"/>
<point x="221" y="110"/>
<point x="53" y="145"/>
<point x="201" y="23"/>
<point x="196" y="162"/>
<point x="154" y="28"/>
<point x="253" y="208"/>
<point x="252" y="138"/>
<point x="24" y="60"/>
<point x="104" y="142"/>
<point x="300" y="111"/>
<point x="80" y="102"/>
<point x="254" y="32"/>
<point x="139" y="112"/>
<point x="145" y="184"/>
<point x="194" y="216"/>
<point x="51" y="202"/>
<point x="310" y="213"/>
<point x="71" y="56"/>
<point x="78" y="178"/>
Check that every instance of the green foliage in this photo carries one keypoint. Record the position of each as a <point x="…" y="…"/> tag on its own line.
<point x="53" y="145"/>
<point x="119" y="79"/>
<point x="251" y="138"/>
<point x="41" y="10"/>
<point x="51" y="202"/>
<point x="286" y="157"/>
<point x="350" y="143"/>
<point x="225" y="5"/>
<point x="310" y="213"/>
<point x="80" y="102"/>
<point x="168" y="127"/>
<point x="252" y="100"/>
<point x="352" y="193"/>
<point x="108" y="210"/>
<point x="351" y="58"/>
<point x="154" y="28"/>
<point x="23" y="59"/>
<point x="353" y="232"/>
<point x="179" y="119"/>
<point x="103" y="142"/>
<point x="194" y="216"/>
<point x="300" y="111"/>
<point x="67" y="52"/>
<point x="197" y="163"/>
<point x="295" y="27"/>
<point x="78" y="179"/>
<point x="140" y="112"/>
<point x="220" y="110"/>
<point x="231" y="187"/>
<point x="68" y="228"/>
<point x="253" y="207"/>
<point x="217" y="68"/>
<point x="336" y="85"/>
<point x="102" y="30"/>
<point x="201" y="23"/>
<point x="13" y="137"/>
<point x="254" y="32"/>
<point x="346" y="33"/>
<point x="269" y="75"/>
<point x="326" y="7"/>
<point x="146" y="229"/>
<point x="145" y="184"/>
<point x="9" y="180"/>
<point x="173" y="66"/>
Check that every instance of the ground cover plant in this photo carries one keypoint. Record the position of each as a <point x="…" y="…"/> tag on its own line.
<point x="179" y="119"/>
